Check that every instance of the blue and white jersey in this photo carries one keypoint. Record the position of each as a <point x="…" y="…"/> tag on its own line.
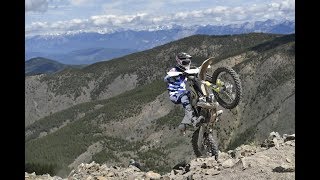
<point x="176" y="84"/>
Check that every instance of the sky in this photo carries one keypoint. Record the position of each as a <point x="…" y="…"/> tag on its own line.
<point x="61" y="16"/>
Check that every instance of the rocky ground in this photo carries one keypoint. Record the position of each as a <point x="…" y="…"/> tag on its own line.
<point x="273" y="159"/>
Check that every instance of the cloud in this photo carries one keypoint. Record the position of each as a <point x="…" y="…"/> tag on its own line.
<point x="275" y="9"/>
<point x="36" y="5"/>
<point x="284" y="5"/>
<point x="80" y="2"/>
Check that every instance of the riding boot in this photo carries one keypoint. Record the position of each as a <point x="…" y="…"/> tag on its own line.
<point x="189" y="118"/>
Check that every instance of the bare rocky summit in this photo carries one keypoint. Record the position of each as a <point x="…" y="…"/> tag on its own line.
<point x="273" y="159"/>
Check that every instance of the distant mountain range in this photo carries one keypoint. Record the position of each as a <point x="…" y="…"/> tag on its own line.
<point x="83" y="56"/>
<point x="45" y="66"/>
<point x="87" y="48"/>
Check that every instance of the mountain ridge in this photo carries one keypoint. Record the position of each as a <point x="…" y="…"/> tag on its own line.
<point x="83" y="56"/>
<point x="104" y="74"/>
<point x="40" y="65"/>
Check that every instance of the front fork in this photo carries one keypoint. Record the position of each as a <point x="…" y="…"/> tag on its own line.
<point x="215" y="87"/>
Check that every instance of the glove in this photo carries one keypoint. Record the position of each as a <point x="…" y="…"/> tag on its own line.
<point x="185" y="74"/>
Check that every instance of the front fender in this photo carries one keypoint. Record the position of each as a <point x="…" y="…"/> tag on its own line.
<point x="202" y="74"/>
<point x="203" y="68"/>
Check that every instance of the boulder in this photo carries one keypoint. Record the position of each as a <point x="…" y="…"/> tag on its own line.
<point x="228" y="163"/>
<point x="283" y="168"/>
<point x="289" y="137"/>
<point x="152" y="175"/>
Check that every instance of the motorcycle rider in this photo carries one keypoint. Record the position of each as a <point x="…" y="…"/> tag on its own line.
<point x="179" y="94"/>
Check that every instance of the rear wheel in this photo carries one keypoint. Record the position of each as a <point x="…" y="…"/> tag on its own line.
<point x="229" y="82"/>
<point x="204" y="145"/>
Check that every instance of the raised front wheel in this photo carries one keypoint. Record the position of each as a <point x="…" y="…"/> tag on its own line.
<point x="230" y="90"/>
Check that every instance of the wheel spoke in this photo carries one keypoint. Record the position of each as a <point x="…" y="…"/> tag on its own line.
<point x="228" y="93"/>
<point x="231" y="97"/>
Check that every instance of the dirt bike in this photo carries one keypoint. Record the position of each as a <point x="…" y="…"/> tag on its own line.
<point x="222" y="88"/>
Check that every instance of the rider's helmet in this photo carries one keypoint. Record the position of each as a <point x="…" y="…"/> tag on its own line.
<point x="183" y="60"/>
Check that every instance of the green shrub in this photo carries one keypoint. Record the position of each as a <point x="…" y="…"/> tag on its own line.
<point x="41" y="168"/>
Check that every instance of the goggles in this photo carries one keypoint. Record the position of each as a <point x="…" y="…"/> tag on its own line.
<point x="185" y="61"/>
